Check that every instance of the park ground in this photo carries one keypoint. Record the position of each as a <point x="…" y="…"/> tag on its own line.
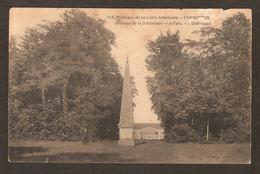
<point x="142" y="152"/>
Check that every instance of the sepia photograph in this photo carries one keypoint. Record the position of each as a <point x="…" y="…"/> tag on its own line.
<point x="117" y="85"/>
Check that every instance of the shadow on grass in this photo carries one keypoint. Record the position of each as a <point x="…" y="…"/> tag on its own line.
<point x="16" y="154"/>
<point x="24" y="150"/>
<point x="139" y="142"/>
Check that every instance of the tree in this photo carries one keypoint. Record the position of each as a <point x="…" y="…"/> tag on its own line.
<point x="203" y="83"/>
<point x="165" y="62"/>
<point x="78" y="43"/>
<point x="134" y="89"/>
<point x="13" y="103"/>
<point x="226" y="53"/>
<point x="57" y="53"/>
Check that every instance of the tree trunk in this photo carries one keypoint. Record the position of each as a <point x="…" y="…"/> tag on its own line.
<point x="208" y="129"/>
<point x="65" y="104"/>
<point x="43" y="100"/>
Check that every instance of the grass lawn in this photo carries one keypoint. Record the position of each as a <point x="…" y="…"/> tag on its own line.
<point x="110" y="151"/>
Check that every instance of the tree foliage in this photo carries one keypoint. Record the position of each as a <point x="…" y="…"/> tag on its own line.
<point x="204" y="83"/>
<point x="65" y="80"/>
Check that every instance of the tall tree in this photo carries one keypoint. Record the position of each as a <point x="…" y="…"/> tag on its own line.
<point x="226" y="55"/>
<point x="75" y="47"/>
<point x="205" y="84"/>
<point x="164" y="61"/>
<point x="13" y="103"/>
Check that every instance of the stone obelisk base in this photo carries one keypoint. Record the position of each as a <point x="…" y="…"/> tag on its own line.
<point x="126" y="142"/>
<point x="126" y="137"/>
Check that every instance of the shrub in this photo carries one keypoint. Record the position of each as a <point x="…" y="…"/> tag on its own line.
<point x="235" y="135"/>
<point x="243" y="133"/>
<point x="181" y="133"/>
<point x="229" y="136"/>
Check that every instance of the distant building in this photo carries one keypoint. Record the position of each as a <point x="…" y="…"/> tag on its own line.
<point x="148" y="131"/>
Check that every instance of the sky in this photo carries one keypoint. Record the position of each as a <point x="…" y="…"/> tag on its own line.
<point x="131" y="39"/>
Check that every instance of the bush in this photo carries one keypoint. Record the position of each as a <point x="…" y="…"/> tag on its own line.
<point x="181" y="133"/>
<point x="229" y="136"/>
<point x="243" y="133"/>
<point x="236" y="135"/>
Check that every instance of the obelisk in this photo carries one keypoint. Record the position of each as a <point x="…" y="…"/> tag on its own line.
<point x="126" y="123"/>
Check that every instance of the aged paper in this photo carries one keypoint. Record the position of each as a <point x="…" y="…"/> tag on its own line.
<point x="130" y="85"/>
